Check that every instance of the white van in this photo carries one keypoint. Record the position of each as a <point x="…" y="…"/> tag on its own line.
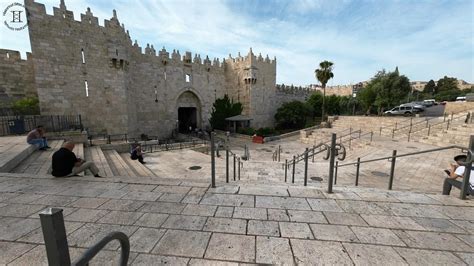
<point x="461" y="99"/>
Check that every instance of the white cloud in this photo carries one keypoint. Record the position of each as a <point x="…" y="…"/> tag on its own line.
<point x="390" y="34"/>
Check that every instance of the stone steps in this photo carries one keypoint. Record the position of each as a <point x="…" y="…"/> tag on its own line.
<point x="39" y="162"/>
<point x="96" y="155"/>
<point x="13" y="150"/>
<point x="136" y="166"/>
<point x="117" y="164"/>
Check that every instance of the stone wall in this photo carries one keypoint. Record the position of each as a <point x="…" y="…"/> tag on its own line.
<point x="16" y="77"/>
<point x="97" y="71"/>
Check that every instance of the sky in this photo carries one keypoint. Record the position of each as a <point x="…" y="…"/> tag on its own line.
<point x="426" y="39"/>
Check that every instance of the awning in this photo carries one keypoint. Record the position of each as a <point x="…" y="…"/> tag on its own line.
<point x="238" y="118"/>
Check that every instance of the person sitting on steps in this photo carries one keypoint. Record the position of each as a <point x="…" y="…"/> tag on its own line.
<point x="36" y="137"/>
<point x="136" y="153"/>
<point x="66" y="164"/>
<point x="457" y="170"/>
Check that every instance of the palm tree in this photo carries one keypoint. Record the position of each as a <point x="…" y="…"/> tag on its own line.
<point x="323" y="75"/>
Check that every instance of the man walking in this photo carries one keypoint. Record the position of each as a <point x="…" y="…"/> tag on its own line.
<point x="66" y="164"/>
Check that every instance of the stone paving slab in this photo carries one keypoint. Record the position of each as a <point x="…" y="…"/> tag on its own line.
<point x="360" y="226"/>
<point x="373" y="255"/>
<point x="272" y="250"/>
<point x="183" y="243"/>
<point x="231" y="247"/>
<point x="428" y="257"/>
<point x="282" y="203"/>
<point x="319" y="252"/>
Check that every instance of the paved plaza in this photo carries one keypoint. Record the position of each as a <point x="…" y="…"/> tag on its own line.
<point x="180" y="222"/>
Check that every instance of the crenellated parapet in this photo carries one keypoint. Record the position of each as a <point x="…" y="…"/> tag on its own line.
<point x="294" y="90"/>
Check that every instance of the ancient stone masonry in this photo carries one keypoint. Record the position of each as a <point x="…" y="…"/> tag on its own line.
<point x="16" y="77"/>
<point x="80" y="67"/>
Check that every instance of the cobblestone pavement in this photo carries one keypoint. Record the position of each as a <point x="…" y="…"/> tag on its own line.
<point x="180" y="222"/>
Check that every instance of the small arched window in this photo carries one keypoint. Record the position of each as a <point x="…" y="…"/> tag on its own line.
<point x="87" y="88"/>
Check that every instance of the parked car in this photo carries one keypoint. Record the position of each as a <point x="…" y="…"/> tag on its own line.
<point x="461" y="99"/>
<point x="417" y="106"/>
<point x="401" y="110"/>
<point x="429" y="102"/>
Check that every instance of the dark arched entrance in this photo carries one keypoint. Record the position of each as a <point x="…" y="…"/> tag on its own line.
<point x="189" y="112"/>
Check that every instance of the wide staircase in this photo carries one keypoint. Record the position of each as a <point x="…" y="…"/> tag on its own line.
<point x="19" y="157"/>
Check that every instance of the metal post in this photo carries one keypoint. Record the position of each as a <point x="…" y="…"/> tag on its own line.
<point x="447" y="126"/>
<point x="452" y="114"/>
<point x="467" y="171"/>
<point x="409" y="133"/>
<point x="380" y="134"/>
<point x="427" y="122"/>
<point x="238" y="172"/>
<point x="55" y="238"/>
<point x="213" y="161"/>
<point x="360" y="130"/>
<point x="357" y="172"/>
<point x="306" y="167"/>
<point x="314" y="151"/>
<point x="371" y="135"/>
<point x="286" y="169"/>
<point x="279" y="151"/>
<point x="293" y="174"/>
<point x="392" y="169"/>
<point x="332" y="157"/>
<point x="227" y="164"/>
<point x="429" y="129"/>
<point x="393" y="133"/>
<point x="108" y="139"/>
<point x="335" y="172"/>
<point x="234" y="167"/>
<point x="350" y="137"/>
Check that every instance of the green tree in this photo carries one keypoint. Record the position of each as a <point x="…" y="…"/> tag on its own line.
<point x="316" y="102"/>
<point x="292" y="115"/>
<point x="366" y="97"/>
<point x="222" y="109"/>
<point x="447" y="84"/>
<point x="26" y="106"/>
<point x="430" y="87"/>
<point x="323" y="75"/>
<point x="390" y="89"/>
<point x="447" y="89"/>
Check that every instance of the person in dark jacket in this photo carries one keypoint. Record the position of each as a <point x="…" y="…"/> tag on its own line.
<point x="66" y="164"/>
<point x="136" y="153"/>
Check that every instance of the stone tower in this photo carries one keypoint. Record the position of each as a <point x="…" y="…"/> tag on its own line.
<point x="251" y="81"/>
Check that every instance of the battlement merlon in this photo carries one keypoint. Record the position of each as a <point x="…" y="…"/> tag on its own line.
<point x="14" y="56"/>
<point x="251" y="58"/>
<point x="299" y="90"/>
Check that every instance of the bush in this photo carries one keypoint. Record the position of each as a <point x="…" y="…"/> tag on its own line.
<point x="292" y="115"/>
<point x="265" y="132"/>
<point x="26" y="106"/>
<point x="246" y="131"/>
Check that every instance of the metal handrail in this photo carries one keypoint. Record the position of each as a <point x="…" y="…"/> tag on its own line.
<point x="95" y="249"/>
<point x="404" y="155"/>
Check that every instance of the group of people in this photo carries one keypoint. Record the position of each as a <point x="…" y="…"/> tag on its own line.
<point x="65" y="163"/>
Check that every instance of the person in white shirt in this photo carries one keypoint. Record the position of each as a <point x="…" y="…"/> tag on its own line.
<point x="457" y="170"/>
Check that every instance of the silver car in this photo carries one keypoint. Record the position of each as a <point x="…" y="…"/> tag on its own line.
<point x="401" y="110"/>
<point x="417" y="106"/>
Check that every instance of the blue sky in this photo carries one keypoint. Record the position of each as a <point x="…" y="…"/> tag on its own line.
<point x="425" y="39"/>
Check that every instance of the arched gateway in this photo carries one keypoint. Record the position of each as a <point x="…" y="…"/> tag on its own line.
<point x="189" y="110"/>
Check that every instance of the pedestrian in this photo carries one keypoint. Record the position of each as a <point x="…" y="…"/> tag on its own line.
<point x="36" y="137"/>
<point x="66" y="164"/>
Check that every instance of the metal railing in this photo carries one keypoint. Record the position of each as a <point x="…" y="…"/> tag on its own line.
<point x="411" y="128"/>
<point x="57" y="249"/>
<point x="11" y="125"/>
<point x="392" y="159"/>
<point x="237" y="163"/>
<point x="168" y="146"/>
